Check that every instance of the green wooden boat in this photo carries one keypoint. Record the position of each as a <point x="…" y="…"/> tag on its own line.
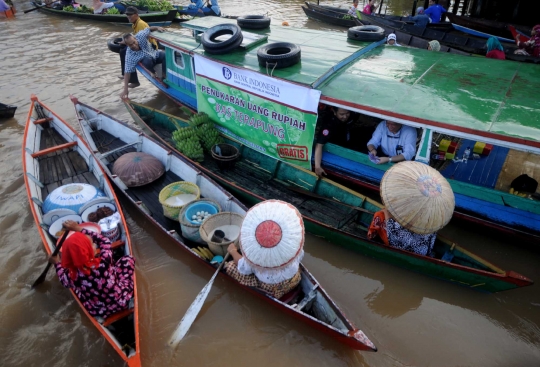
<point x="330" y="210"/>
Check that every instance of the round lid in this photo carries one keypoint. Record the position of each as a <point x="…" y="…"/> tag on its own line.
<point x="71" y="196"/>
<point x="417" y="196"/>
<point x="138" y="169"/>
<point x="272" y="234"/>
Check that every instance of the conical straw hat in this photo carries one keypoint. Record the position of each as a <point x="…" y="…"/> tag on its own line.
<point x="272" y="234"/>
<point x="417" y="196"/>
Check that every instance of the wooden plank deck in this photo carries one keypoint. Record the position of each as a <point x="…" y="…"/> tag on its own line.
<point x="62" y="166"/>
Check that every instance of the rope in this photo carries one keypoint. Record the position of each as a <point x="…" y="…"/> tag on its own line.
<point x="274" y="68"/>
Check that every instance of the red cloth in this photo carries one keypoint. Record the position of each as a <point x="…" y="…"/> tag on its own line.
<point x="78" y="253"/>
<point x="496" y="54"/>
<point x="378" y="227"/>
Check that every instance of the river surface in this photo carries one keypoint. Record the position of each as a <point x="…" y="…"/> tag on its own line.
<point x="414" y="320"/>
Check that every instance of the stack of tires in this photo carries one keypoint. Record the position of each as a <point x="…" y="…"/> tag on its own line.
<point x="217" y="47"/>
<point x="366" y="33"/>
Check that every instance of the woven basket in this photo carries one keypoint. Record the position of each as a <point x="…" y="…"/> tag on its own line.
<point x="177" y="188"/>
<point x="228" y="157"/>
<point x="190" y="231"/>
<point x="216" y="221"/>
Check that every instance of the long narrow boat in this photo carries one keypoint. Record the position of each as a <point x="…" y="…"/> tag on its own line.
<point x="433" y="91"/>
<point x="7" y="111"/>
<point x="493" y="27"/>
<point x="110" y="139"/>
<point x="341" y="19"/>
<point x="257" y="177"/>
<point x="53" y="155"/>
<point x="150" y="17"/>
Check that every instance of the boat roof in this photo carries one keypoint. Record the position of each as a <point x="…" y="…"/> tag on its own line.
<point x="484" y="99"/>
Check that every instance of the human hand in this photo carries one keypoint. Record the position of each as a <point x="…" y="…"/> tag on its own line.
<point x="161" y="29"/>
<point x="71" y="225"/>
<point x="124" y="94"/>
<point x="232" y="248"/>
<point x="383" y="160"/>
<point x="54" y="259"/>
<point x="319" y="171"/>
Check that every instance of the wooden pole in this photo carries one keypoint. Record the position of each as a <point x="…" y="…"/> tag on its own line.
<point x="380" y="6"/>
<point x="413" y="12"/>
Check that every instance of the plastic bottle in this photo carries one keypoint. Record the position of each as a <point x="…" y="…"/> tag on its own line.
<point x="439" y="157"/>
<point x="466" y="154"/>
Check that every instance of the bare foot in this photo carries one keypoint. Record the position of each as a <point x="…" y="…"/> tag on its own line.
<point x="133" y="85"/>
<point x="120" y="77"/>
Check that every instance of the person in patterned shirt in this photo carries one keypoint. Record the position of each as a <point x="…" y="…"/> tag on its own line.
<point x="87" y="267"/>
<point x="140" y="50"/>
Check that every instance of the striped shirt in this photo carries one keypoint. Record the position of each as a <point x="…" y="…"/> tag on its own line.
<point x="145" y="49"/>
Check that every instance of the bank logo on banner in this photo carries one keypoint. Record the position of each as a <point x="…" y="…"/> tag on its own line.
<point x="227" y="73"/>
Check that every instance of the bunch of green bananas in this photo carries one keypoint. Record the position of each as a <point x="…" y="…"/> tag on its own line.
<point x="204" y="253"/>
<point x="191" y="148"/>
<point x="208" y="135"/>
<point x="183" y="134"/>
<point x="198" y="119"/>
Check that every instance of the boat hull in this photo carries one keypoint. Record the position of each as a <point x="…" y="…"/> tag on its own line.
<point x="32" y="153"/>
<point x="7" y="111"/>
<point x="495" y="28"/>
<point x="329" y="17"/>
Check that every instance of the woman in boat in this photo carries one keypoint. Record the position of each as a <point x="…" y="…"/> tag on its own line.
<point x="271" y="241"/>
<point x="87" y="267"/>
<point x="393" y="234"/>
<point x="532" y="46"/>
<point x="369" y="8"/>
<point x="354" y="7"/>
<point x="494" y="49"/>
<point x="391" y="40"/>
<point x="434" y="46"/>
<point x="101" y="7"/>
<point x="420" y="19"/>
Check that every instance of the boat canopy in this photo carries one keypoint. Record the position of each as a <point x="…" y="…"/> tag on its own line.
<point x="472" y="97"/>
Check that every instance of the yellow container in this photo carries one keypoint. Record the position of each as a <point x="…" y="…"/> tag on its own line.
<point x="170" y="209"/>
<point x="479" y="147"/>
<point x="443" y="146"/>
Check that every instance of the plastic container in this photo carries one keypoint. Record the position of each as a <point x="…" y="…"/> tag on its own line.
<point x="171" y="210"/>
<point x="225" y="155"/>
<point x="190" y="230"/>
<point x="199" y="206"/>
<point x="56" y="229"/>
<point x="466" y="154"/>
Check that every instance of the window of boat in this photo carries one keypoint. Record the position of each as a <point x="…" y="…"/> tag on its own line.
<point x="179" y="59"/>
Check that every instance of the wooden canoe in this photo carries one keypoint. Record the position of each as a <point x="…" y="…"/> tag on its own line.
<point x="257" y="177"/>
<point x="53" y="155"/>
<point x="311" y="304"/>
<point x="150" y="17"/>
<point x="499" y="29"/>
<point x="330" y="17"/>
<point x="7" y="111"/>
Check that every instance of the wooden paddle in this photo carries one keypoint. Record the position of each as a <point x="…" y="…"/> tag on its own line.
<point x="194" y="309"/>
<point x="317" y="196"/>
<point x="55" y="252"/>
<point x="36" y="8"/>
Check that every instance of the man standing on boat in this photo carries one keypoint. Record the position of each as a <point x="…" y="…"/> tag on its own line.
<point x="141" y="50"/>
<point x="435" y="11"/>
<point x="392" y="142"/>
<point x="137" y="24"/>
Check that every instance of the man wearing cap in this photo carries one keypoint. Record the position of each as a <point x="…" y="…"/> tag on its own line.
<point x="392" y="142"/>
<point x="137" y="24"/>
<point x="420" y="19"/>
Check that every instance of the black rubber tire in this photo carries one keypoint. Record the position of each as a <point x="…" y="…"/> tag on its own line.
<point x="253" y="21"/>
<point x="278" y="55"/>
<point x="225" y="50"/>
<point x="208" y="38"/>
<point x="369" y="33"/>
<point x="113" y="44"/>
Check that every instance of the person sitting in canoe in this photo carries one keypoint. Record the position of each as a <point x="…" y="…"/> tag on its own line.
<point x="369" y="8"/>
<point x="420" y="19"/>
<point x="494" y="49"/>
<point x="532" y="46"/>
<point x="87" y="267"/>
<point x="392" y="142"/>
<point x="197" y="5"/>
<point x="352" y="10"/>
<point x="434" y="46"/>
<point x="434" y="11"/>
<point x="101" y="7"/>
<point x="141" y="50"/>
<point x="271" y="241"/>
<point x="214" y="8"/>
<point x="391" y="40"/>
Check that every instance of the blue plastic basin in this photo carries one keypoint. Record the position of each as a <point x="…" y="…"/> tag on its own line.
<point x="195" y="207"/>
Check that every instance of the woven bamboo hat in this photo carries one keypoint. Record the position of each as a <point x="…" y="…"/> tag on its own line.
<point x="272" y="234"/>
<point x="417" y="196"/>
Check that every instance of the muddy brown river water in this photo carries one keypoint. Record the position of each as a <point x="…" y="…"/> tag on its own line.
<point x="414" y="320"/>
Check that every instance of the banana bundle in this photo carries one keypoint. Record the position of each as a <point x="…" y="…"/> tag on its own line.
<point x="520" y="194"/>
<point x="191" y="148"/>
<point x="208" y="135"/>
<point x="204" y="253"/>
<point x="198" y="119"/>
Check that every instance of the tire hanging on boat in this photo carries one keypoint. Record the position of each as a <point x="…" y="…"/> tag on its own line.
<point x="278" y="55"/>
<point x="114" y="44"/>
<point x="209" y="41"/>
<point x="369" y="33"/>
<point x="253" y="21"/>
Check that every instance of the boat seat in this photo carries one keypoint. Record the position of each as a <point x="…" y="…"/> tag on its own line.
<point x="117" y="244"/>
<point x="291" y="296"/>
<point x="116" y="316"/>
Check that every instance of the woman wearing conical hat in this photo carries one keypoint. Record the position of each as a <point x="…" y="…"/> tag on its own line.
<point x="418" y="202"/>
<point x="271" y="243"/>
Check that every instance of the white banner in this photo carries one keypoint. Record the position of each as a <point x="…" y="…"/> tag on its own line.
<point x="289" y="94"/>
